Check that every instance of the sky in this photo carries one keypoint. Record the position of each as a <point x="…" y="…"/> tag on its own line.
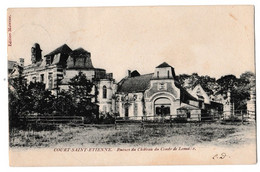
<point x="209" y="40"/>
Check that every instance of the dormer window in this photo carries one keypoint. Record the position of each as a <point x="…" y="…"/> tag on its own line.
<point x="168" y="74"/>
<point x="48" y="60"/>
<point x="157" y="74"/>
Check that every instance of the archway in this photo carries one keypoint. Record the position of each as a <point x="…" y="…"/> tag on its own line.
<point x="162" y="106"/>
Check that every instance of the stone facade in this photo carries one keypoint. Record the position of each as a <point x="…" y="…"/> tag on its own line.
<point x="158" y="94"/>
<point x="155" y="94"/>
<point x="57" y="68"/>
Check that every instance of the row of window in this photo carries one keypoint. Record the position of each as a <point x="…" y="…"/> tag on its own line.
<point x="50" y="83"/>
<point x="50" y="80"/>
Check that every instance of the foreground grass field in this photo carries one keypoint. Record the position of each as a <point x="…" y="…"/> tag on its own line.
<point x="188" y="134"/>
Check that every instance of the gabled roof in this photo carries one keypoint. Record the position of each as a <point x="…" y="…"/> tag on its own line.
<point x="135" y="84"/>
<point x="64" y="49"/>
<point x="199" y="85"/>
<point x="163" y="65"/>
<point x="166" y="65"/>
<point x="185" y="95"/>
<point x="135" y="73"/>
<point x="203" y="94"/>
<point x="142" y="82"/>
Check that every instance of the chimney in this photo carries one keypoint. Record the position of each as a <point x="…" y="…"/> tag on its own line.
<point x="129" y="73"/>
<point x="21" y="62"/>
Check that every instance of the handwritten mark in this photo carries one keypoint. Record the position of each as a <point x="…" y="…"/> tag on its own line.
<point x="221" y="156"/>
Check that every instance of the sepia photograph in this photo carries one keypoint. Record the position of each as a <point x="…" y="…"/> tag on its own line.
<point x="116" y="85"/>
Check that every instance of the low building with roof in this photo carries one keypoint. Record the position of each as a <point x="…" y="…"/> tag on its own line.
<point x="56" y="69"/>
<point x="189" y="112"/>
<point x="156" y="94"/>
<point x="208" y="102"/>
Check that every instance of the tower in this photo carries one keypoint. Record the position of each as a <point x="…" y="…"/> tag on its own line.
<point x="36" y="53"/>
<point x="164" y="71"/>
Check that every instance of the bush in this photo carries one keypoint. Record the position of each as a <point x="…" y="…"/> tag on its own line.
<point x="233" y="119"/>
<point x="106" y="119"/>
<point x="180" y="120"/>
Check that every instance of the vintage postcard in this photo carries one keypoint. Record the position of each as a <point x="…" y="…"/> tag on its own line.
<point x="101" y="86"/>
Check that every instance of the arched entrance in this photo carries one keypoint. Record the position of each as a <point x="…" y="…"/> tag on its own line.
<point x="162" y="106"/>
<point x="126" y="109"/>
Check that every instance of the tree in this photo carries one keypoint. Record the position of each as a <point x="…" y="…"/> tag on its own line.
<point x="246" y="84"/>
<point x="25" y="99"/>
<point x="190" y="81"/>
<point x="20" y="101"/>
<point x="247" y="76"/>
<point x="207" y="83"/>
<point x="181" y="78"/>
<point x="64" y="103"/>
<point x="248" y="79"/>
<point x="80" y="89"/>
<point x="239" y="88"/>
<point x="227" y="82"/>
<point x="42" y="98"/>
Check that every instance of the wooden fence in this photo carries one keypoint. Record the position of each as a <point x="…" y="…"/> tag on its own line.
<point x="235" y="116"/>
<point x="48" y="119"/>
<point x="238" y="116"/>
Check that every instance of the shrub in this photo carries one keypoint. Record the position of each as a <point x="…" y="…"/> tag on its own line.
<point x="180" y="119"/>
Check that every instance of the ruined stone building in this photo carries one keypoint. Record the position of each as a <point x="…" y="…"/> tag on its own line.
<point x="56" y="68"/>
<point x="136" y="95"/>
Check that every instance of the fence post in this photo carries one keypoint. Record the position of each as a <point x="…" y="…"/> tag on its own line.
<point x="163" y="119"/>
<point x="142" y="122"/>
<point x="170" y="121"/>
<point x="242" y="116"/>
<point x="115" y="123"/>
<point x="82" y="120"/>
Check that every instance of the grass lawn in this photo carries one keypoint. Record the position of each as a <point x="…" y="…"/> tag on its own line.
<point x="186" y="134"/>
